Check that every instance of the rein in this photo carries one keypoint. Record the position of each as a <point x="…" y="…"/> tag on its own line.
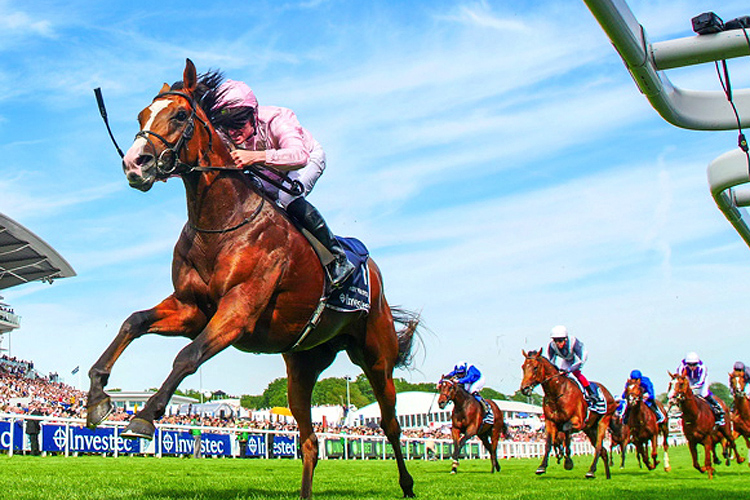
<point x="168" y="163"/>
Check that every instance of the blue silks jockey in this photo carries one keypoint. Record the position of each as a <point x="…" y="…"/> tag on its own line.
<point x="649" y="397"/>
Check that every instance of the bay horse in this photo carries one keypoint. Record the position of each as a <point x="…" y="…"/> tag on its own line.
<point x="741" y="411"/>
<point x="699" y="423"/>
<point x="644" y="429"/>
<point x="619" y="436"/>
<point x="244" y="276"/>
<point x="467" y="421"/>
<point x="566" y="411"/>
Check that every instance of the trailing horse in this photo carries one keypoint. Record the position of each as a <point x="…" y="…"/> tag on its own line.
<point x="741" y="412"/>
<point x="644" y="429"/>
<point x="699" y="423"/>
<point x="619" y="436"/>
<point x="244" y="276"/>
<point x="468" y="421"/>
<point x="566" y="411"/>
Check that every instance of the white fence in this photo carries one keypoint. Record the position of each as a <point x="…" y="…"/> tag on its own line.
<point x="70" y="437"/>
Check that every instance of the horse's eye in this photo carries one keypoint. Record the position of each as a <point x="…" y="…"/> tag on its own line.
<point x="181" y="115"/>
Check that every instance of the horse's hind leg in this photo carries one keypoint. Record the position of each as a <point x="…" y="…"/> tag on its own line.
<point x="491" y="447"/>
<point x="170" y="317"/>
<point x="303" y="369"/>
<point x="376" y="354"/>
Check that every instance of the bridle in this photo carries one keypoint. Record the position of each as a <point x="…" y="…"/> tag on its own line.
<point x="166" y="167"/>
<point x="534" y="384"/>
<point x="168" y="162"/>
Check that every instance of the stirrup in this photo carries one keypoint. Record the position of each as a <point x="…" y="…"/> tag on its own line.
<point x="339" y="271"/>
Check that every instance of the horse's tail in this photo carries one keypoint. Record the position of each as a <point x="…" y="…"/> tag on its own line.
<point x="406" y="335"/>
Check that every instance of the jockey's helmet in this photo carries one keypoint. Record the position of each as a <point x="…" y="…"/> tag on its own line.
<point x="636" y="374"/>
<point x="235" y="94"/>
<point x="692" y="358"/>
<point x="739" y="366"/>
<point x="461" y="367"/>
<point x="559" y="332"/>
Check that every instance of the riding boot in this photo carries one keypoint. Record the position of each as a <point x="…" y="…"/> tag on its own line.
<point x="659" y="415"/>
<point x="309" y="218"/>
<point x="592" y="393"/>
<point x="717" y="409"/>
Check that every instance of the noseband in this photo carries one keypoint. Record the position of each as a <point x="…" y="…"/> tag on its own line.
<point x="168" y="163"/>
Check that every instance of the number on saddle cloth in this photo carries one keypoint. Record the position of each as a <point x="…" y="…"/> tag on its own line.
<point x="355" y="294"/>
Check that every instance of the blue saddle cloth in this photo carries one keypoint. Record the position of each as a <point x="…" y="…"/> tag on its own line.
<point x="354" y="295"/>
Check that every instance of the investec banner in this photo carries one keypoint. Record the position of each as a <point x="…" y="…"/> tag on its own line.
<point x="5" y="436"/>
<point x="284" y="446"/>
<point x="101" y="440"/>
<point x="181" y="443"/>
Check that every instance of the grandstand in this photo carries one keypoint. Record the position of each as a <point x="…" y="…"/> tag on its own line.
<point x="24" y="258"/>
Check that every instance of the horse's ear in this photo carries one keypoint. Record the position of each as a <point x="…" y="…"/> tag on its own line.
<point x="164" y="88"/>
<point x="671" y="375"/>
<point x="190" y="76"/>
<point x="524" y="353"/>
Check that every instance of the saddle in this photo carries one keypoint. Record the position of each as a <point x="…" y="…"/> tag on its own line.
<point x="596" y="405"/>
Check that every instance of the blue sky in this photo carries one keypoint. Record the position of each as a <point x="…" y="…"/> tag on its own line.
<point x="496" y="158"/>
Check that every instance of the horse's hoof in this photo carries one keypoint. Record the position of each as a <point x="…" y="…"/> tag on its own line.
<point x="139" y="428"/>
<point x="590" y="475"/>
<point x="540" y="471"/>
<point x="667" y="469"/>
<point x="568" y="465"/>
<point x="97" y="413"/>
<point x="409" y="495"/>
<point x="453" y="471"/>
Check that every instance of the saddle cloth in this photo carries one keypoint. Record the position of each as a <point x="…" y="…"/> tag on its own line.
<point x="354" y="295"/>
<point x="598" y="405"/>
<point x="489" y="416"/>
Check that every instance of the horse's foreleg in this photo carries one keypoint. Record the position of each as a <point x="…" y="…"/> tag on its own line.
<point x="227" y="325"/>
<point x="170" y="317"/>
<point x="654" y="449"/>
<point x="708" y="445"/>
<point x="303" y="369"/>
<point x="547" y="448"/>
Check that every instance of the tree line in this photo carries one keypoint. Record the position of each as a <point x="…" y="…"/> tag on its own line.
<point x="332" y="391"/>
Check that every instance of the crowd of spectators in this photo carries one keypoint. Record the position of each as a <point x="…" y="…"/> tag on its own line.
<point x="23" y="390"/>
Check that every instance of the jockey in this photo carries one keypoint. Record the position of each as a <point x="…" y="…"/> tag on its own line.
<point x="649" y="397"/>
<point x="573" y="355"/>
<point x="272" y="136"/>
<point x="692" y="367"/>
<point x="739" y="366"/>
<point x="470" y="377"/>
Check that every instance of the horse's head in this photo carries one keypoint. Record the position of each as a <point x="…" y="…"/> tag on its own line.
<point x="737" y="382"/>
<point x="175" y="134"/>
<point x="679" y="388"/>
<point x="634" y="391"/>
<point x="447" y="388"/>
<point x="534" y="371"/>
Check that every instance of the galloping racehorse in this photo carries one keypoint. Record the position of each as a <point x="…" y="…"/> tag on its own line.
<point x="741" y="411"/>
<point x="643" y="426"/>
<point x="467" y="421"/>
<point x="619" y="435"/>
<point x="244" y="276"/>
<point x="566" y="411"/>
<point x="699" y="423"/>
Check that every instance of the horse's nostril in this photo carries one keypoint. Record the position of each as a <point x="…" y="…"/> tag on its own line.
<point x="144" y="159"/>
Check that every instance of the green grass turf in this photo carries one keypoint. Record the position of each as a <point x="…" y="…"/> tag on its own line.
<point x="131" y="478"/>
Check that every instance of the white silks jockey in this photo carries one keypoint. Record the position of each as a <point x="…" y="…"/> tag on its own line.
<point x="573" y="355"/>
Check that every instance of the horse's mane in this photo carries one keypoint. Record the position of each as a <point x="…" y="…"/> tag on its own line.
<point x="208" y="96"/>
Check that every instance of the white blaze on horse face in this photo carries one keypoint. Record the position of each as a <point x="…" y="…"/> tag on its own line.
<point x="139" y="145"/>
